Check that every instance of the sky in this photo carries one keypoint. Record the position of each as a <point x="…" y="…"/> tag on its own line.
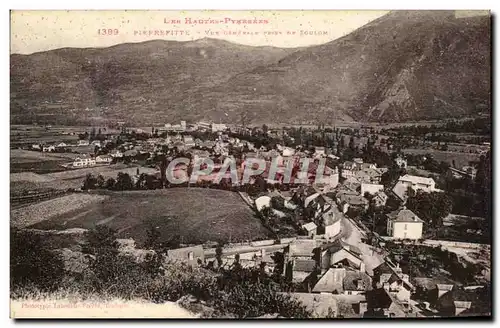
<point x="34" y="31"/>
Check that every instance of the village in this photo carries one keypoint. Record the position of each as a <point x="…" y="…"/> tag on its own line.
<point x="364" y="240"/>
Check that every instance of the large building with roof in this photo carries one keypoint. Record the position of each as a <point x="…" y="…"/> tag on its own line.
<point x="404" y="224"/>
<point x="414" y="182"/>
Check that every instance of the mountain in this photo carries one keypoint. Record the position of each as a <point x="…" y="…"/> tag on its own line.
<point x="404" y="66"/>
<point x="141" y="82"/>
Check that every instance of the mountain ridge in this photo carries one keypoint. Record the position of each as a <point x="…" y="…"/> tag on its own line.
<point x="403" y="66"/>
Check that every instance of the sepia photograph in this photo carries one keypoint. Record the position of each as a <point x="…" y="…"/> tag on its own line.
<point x="323" y="164"/>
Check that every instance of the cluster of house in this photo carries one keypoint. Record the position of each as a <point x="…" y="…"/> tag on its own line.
<point x="47" y="148"/>
<point x="221" y="152"/>
<point x="336" y="280"/>
<point x="86" y="160"/>
<point x="324" y="219"/>
<point x="328" y="209"/>
<point x="201" y="126"/>
<point x="415" y="183"/>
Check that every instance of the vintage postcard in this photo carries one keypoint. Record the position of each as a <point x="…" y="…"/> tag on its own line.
<point x="250" y="164"/>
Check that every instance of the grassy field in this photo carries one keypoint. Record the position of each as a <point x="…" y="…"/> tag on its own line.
<point x="461" y="159"/>
<point x="38" y="162"/>
<point x="193" y="215"/>
<point x="33" y="180"/>
<point x="46" y="210"/>
<point x="29" y="134"/>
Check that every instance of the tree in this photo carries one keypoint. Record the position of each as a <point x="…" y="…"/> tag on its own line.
<point x="110" y="184"/>
<point x="389" y="177"/>
<point x="141" y="181"/>
<point x="153" y="238"/>
<point x="150" y="182"/>
<point x="342" y="142"/>
<point x="90" y="182"/>
<point x="218" y="254"/>
<point x="100" y="181"/>
<point x="92" y="134"/>
<point x="32" y="262"/>
<point x="352" y="146"/>
<point x="163" y="171"/>
<point x="265" y="128"/>
<point x="245" y="118"/>
<point x="483" y="184"/>
<point x="431" y="207"/>
<point x="109" y="269"/>
<point x="124" y="182"/>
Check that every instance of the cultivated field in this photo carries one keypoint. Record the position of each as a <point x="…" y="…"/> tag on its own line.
<point x="46" y="210"/>
<point x="461" y="159"/>
<point x="39" y="162"/>
<point x="22" y="135"/>
<point x="191" y="215"/>
<point x="25" y="181"/>
<point x="106" y="171"/>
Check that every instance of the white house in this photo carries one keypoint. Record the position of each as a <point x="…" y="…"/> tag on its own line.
<point x="84" y="161"/>
<point x="203" y="125"/>
<point x="332" y="221"/>
<point x="349" y="169"/>
<point x="380" y="199"/>
<point x="287" y="152"/>
<point x="262" y="202"/>
<point x="319" y="151"/>
<point x="404" y="224"/>
<point x="418" y="183"/>
<point x="310" y="229"/>
<point x="96" y="143"/>
<point x="83" y="142"/>
<point x="103" y="159"/>
<point x="329" y="180"/>
<point x="401" y="162"/>
<point x="62" y="144"/>
<point x="414" y="182"/>
<point x="49" y="148"/>
<point x="391" y="278"/>
<point x="116" y="154"/>
<point x="189" y="141"/>
<point x="218" y="127"/>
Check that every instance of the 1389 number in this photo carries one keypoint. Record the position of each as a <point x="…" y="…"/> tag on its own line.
<point x="107" y="31"/>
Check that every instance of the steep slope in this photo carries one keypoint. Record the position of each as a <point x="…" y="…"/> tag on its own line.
<point x="403" y="66"/>
<point x="143" y="81"/>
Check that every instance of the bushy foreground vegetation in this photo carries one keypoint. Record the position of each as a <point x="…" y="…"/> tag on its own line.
<point x="234" y="292"/>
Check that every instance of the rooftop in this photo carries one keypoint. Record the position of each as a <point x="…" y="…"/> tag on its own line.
<point x="304" y="265"/>
<point x="303" y="247"/>
<point x="351" y="281"/>
<point x="319" y="304"/>
<point x="183" y="253"/>
<point x="404" y="215"/>
<point x="416" y="179"/>
<point x="338" y="244"/>
<point x="310" y="226"/>
<point x="331" y="281"/>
